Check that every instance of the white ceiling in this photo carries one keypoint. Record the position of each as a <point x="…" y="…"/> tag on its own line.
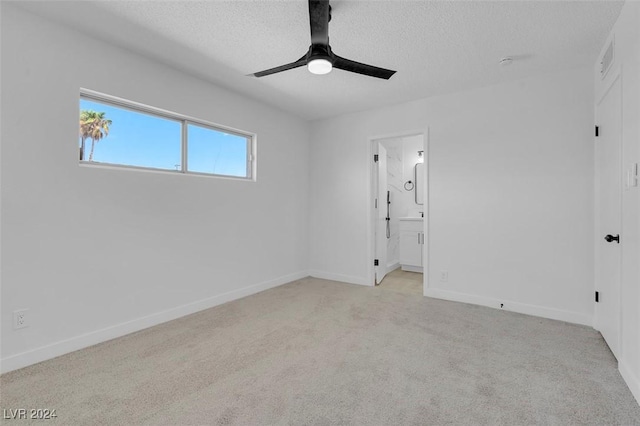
<point x="435" y="46"/>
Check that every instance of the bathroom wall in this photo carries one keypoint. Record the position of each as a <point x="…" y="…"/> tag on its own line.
<point x="410" y="147"/>
<point x="402" y="156"/>
<point x="395" y="176"/>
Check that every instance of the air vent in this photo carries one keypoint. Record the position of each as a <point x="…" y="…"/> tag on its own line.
<point x="607" y="60"/>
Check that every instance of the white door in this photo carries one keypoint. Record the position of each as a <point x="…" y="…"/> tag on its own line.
<point x="608" y="215"/>
<point x="381" y="211"/>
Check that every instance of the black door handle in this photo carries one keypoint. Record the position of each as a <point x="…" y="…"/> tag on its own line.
<point x="611" y="238"/>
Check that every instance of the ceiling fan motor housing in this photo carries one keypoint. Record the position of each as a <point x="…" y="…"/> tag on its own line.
<point x="320" y="51"/>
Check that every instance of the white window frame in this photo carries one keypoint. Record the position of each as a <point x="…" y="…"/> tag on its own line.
<point x="184" y="122"/>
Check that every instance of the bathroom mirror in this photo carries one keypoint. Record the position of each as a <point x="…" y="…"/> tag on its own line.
<point x="418" y="174"/>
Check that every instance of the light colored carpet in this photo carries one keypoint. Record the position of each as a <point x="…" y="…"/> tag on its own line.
<point x="403" y="282"/>
<point x="323" y="353"/>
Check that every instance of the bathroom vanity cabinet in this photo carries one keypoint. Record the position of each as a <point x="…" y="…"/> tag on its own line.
<point x="411" y="243"/>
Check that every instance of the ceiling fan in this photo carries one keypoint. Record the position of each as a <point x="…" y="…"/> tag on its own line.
<point x="320" y="59"/>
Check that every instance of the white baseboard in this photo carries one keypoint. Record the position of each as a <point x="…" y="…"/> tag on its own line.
<point x="413" y="268"/>
<point x="633" y="382"/>
<point x="62" y="347"/>
<point x="522" y="308"/>
<point x="339" y="277"/>
<point x="392" y="267"/>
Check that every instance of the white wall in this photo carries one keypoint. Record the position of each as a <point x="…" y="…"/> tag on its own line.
<point x="627" y="64"/>
<point x="95" y="253"/>
<point x="510" y="171"/>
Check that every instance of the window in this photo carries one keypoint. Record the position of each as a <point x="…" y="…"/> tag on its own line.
<point x="214" y="152"/>
<point x="120" y="133"/>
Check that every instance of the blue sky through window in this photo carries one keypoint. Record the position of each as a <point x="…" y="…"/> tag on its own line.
<point x="143" y="140"/>
<point x="215" y="152"/>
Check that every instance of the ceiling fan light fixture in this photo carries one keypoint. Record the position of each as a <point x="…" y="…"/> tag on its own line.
<point x="320" y="66"/>
<point x="319" y="59"/>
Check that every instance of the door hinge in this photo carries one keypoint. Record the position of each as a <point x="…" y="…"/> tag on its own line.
<point x="597" y="131"/>
<point x="597" y="296"/>
<point x="376" y="262"/>
<point x="375" y="158"/>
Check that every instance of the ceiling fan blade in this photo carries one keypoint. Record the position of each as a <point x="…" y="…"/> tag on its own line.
<point x="319" y="20"/>
<point x="300" y="62"/>
<point x="360" y="68"/>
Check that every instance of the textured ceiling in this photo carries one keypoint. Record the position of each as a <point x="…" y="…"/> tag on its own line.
<point x="435" y="46"/>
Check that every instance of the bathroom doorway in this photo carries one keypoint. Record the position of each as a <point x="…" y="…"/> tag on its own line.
<point x="399" y="181"/>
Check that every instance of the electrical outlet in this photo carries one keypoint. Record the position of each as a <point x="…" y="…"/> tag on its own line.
<point x="20" y="319"/>
<point x="444" y="276"/>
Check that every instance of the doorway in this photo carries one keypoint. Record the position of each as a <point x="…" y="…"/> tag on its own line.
<point x="399" y="212"/>
<point x="608" y="200"/>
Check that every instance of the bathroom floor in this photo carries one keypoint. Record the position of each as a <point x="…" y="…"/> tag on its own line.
<point x="403" y="282"/>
